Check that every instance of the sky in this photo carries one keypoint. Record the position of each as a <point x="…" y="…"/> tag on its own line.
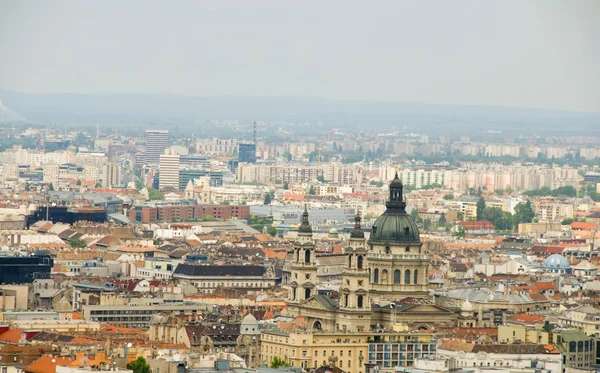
<point x="538" y="54"/>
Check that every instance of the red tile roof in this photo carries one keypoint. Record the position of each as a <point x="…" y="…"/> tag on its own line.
<point x="47" y="364"/>
<point x="527" y="319"/>
<point x="483" y="224"/>
<point x="579" y="225"/>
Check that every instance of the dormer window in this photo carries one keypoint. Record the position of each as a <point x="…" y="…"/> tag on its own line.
<point x="407" y="249"/>
<point x="387" y="249"/>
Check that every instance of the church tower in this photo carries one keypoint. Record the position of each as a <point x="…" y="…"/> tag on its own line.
<point x="398" y="268"/>
<point x="304" y="265"/>
<point x="355" y="305"/>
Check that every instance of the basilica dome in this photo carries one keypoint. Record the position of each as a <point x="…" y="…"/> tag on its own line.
<point x="395" y="226"/>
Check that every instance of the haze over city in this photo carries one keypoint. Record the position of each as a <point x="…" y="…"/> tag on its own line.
<point x="532" y="54"/>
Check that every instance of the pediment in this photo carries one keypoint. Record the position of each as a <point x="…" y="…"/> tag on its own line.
<point x="313" y="303"/>
<point x="425" y="308"/>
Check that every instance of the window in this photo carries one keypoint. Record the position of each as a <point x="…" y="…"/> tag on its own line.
<point x="407" y="277"/>
<point x="376" y="275"/>
<point x="359" y="261"/>
<point x="397" y="276"/>
<point x="359" y="301"/>
<point x="416" y="277"/>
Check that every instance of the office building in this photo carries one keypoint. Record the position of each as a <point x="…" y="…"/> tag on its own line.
<point x="247" y="153"/>
<point x="185" y="175"/>
<point x="169" y="172"/>
<point x="156" y="143"/>
<point x="25" y="269"/>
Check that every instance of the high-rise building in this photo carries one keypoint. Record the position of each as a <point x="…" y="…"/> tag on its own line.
<point x="156" y="143"/>
<point x="247" y="153"/>
<point x="169" y="172"/>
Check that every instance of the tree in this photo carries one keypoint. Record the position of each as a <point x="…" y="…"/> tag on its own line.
<point x="567" y="221"/>
<point x="480" y="208"/>
<point x="155" y="195"/>
<point x="79" y="182"/>
<point x="27" y="187"/>
<point x="523" y="213"/>
<point x="139" y="365"/>
<point x="462" y="232"/>
<point x="275" y="363"/>
<point x="50" y="187"/>
<point x="312" y="191"/>
<point x="448" y="196"/>
<point x="77" y="243"/>
<point x="225" y="203"/>
<point x="379" y="184"/>
<point x="442" y="219"/>
<point x="499" y="191"/>
<point x="491" y="214"/>
<point x="98" y="185"/>
<point x="427" y="223"/>
<point x="321" y="178"/>
<point x="286" y="185"/>
<point x="267" y="200"/>
<point x="272" y="231"/>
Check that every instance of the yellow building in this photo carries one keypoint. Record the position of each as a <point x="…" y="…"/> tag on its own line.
<point x="347" y="351"/>
<point x="523" y="334"/>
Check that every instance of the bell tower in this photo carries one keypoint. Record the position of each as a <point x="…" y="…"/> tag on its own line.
<point x="304" y="264"/>
<point x="355" y="302"/>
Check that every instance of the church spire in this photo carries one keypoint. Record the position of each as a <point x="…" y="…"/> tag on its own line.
<point x="396" y="199"/>
<point x="305" y="225"/>
<point x="357" y="232"/>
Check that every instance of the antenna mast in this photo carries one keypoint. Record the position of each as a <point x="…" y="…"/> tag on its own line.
<point x="254" y="133"/>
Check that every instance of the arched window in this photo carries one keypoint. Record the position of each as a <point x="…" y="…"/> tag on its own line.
<point x="387" y="249"/>
<point x="294" y="294"/>
<point x="350" y="261"/>
<point x="346" y="300"/>
<point x="407" y="277"/>
<point x="317" y="325"/>
<point x="359" y="301"/>
<point x="297" y="255"/>
<point x="396" y="276"/>
<point x="416" y="277"/>
<point x="306" y="256"/>
<point x="359" y="262"/>
<point x="376" y="275"/>
<point x="306" y="293"/>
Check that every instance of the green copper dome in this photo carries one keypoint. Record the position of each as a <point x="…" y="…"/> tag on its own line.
<point x="395" y="226"/>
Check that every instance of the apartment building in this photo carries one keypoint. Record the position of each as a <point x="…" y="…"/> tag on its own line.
<point x="349" y="352"/>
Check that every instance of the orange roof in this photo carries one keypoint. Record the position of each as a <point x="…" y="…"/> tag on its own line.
<point x="294" y="197"/>
<point x="47" y="364"/>
<point x="77" y="316"/>
<point x="275" y="254"/>
<point x="528" y="319"/>
<point x="11" y="336"/>
<point x="142" y="249"/>
<point x="83" y="340"/>
<point x="545" y="286"/>
<point x="583" y="225"/>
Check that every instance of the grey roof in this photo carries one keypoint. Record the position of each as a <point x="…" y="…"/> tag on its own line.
<point x="489" y="296"/>
<point x="218" y="271"/>
<point x="327" y="301"/>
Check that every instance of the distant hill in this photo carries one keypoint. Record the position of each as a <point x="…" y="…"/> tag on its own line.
<point x="7" y="115"/>
<point x="161" y="108"/>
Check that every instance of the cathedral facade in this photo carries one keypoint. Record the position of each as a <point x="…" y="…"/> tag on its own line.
<point x="380" y="273"/>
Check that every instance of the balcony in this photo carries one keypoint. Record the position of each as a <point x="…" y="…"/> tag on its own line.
<point x="404" y="257"/>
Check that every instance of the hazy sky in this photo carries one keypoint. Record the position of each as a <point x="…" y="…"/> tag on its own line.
<point x="543" y="54"/>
